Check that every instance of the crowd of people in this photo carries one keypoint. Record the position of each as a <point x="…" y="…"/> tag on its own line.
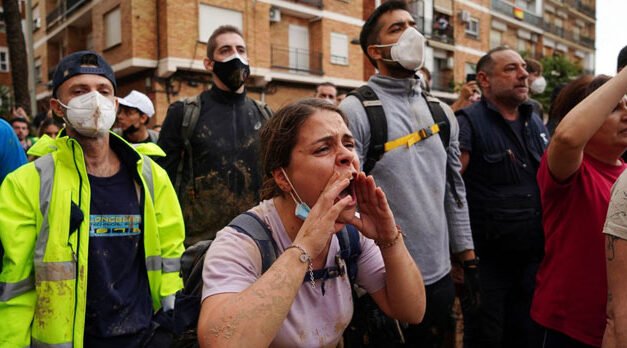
<point x="384" y="190"/>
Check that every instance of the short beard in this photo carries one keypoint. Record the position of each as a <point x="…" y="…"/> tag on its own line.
<point x="130" y="130"/>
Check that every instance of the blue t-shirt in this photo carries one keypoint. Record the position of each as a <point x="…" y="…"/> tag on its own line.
<point x="11" y="153"/>
<point x="119" y="306"/>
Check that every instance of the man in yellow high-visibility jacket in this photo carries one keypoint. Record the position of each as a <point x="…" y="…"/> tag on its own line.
<point x="92" y="232"/>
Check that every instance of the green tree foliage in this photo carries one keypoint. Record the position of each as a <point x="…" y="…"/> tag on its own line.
<point x="558" y="71"/>
<point x="6" y="101"/>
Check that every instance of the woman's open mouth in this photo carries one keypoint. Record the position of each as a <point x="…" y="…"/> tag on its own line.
<point x="349" y="190"/>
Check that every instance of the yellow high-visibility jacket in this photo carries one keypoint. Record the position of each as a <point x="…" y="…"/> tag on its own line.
<point x="43" y="282"/>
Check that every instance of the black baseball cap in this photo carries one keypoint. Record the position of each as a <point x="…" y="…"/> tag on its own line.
<point x="81" y="62"/>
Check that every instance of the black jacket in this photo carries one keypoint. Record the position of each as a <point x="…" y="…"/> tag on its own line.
<point x="501" y="187"/>
<point x="225" y="142"/>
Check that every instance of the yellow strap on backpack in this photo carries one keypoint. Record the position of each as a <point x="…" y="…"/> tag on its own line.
<point x="411" y="139"/>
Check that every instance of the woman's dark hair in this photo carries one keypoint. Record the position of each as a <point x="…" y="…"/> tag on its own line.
<point x="572" y="94"/>
<point x="48" y="122"/>
<point x="280" y="134"/>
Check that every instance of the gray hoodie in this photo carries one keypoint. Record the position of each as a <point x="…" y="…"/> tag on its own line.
<point x="414" y="178"/>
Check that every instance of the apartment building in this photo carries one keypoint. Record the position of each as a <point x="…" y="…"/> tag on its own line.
<point x="5" y="76"/>
<point x="158" y="46"/>
<point x="463" y="30"/>
<point x="5" y="71"/>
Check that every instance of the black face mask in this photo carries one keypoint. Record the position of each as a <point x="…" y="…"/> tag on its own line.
<point x="233" y="73"/>
<point x="130" y="130"/>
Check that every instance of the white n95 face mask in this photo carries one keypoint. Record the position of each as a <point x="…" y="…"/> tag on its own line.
<point x="90" y="114"/>
<point x="538" y="85"/>
<point x="409" y="50"/>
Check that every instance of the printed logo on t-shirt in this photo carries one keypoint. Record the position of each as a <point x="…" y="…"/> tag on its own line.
<point x="114" y="225"/>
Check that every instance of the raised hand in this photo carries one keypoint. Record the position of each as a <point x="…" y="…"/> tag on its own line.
<point x="322" y="221"/>
<point x="376" y="220"/>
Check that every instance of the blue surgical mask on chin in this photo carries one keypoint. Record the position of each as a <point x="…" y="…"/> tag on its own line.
<point x="302" y="209"/>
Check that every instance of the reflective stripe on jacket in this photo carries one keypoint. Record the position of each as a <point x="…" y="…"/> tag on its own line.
<point x="43" y="282"/>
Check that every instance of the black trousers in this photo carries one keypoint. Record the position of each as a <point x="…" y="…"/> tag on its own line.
<point x="438" y="319"/>
<point x="503" y="319"/>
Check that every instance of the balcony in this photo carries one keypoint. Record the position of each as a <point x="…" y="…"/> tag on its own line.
<point x="63" y="10"/>
<point x="581" y="7"/>
<point x="443" y="30"/>
<point x="553" y="29"/>
<point x="296" y="60"/>
<point x="586" y="41"/>
<point x="508" y="9"/>
<point x="314" y="3"/>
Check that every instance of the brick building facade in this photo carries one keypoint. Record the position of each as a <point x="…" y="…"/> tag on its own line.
<point x="157" y="46"/>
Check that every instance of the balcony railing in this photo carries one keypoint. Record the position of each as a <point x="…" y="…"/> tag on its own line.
<point x="508" y="9"/>
<point x="552" y="28"/>
<point x="63" y="10"/>
<point x="586" y="41"/>
<point x="444" y="34"/>
<point x="581" y="7"/>
<point x="296" y="60"/>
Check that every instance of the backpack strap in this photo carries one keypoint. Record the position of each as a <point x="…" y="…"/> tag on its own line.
<point x="378" y="125"/>
<point x="350" y="250"/>
<point x="439" y="117"/>
<point x="191" y="113"/>
<point x="262" y="108"/>
<point x="251" y="225"/>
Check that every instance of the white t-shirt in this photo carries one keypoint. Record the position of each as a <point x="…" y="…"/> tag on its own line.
<point x="616" y="222"/>
<point x="233" y="263"/>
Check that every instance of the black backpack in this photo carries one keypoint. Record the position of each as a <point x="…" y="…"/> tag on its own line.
<point x="379" y="129"/>
<point x="187" y="305"/>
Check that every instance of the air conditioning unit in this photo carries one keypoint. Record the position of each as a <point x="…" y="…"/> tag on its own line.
<point x="275" y="15"/>
<point x="464" y="16"/>
<point x="36" y="23"/>
<point x="450" y="63"/>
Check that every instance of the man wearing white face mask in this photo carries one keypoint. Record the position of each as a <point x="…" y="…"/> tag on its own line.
<point x="414" y="174"/>
<point x="92" y="240"/>
<point x="537" y="84"/>
<point x="211" y="141"/>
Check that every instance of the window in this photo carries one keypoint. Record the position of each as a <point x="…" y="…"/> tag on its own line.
<point x="472" y="27"/>
<point x="38" y="70"/>
<point x="4" y="59"/>
<point x="113" y="30"/>
<point x="522" y="3"/>
<point x="576" y="33"/>
<point x="36" y="18"/>
<point x="523" y="46"/>
<point x="298" y="43"/>
<point x="2" y="24"/>
<point x="559" y="27"/>
<point x="495" y="38"/>
<point x="339" y="49"/>
<point x="210" y="18"/>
